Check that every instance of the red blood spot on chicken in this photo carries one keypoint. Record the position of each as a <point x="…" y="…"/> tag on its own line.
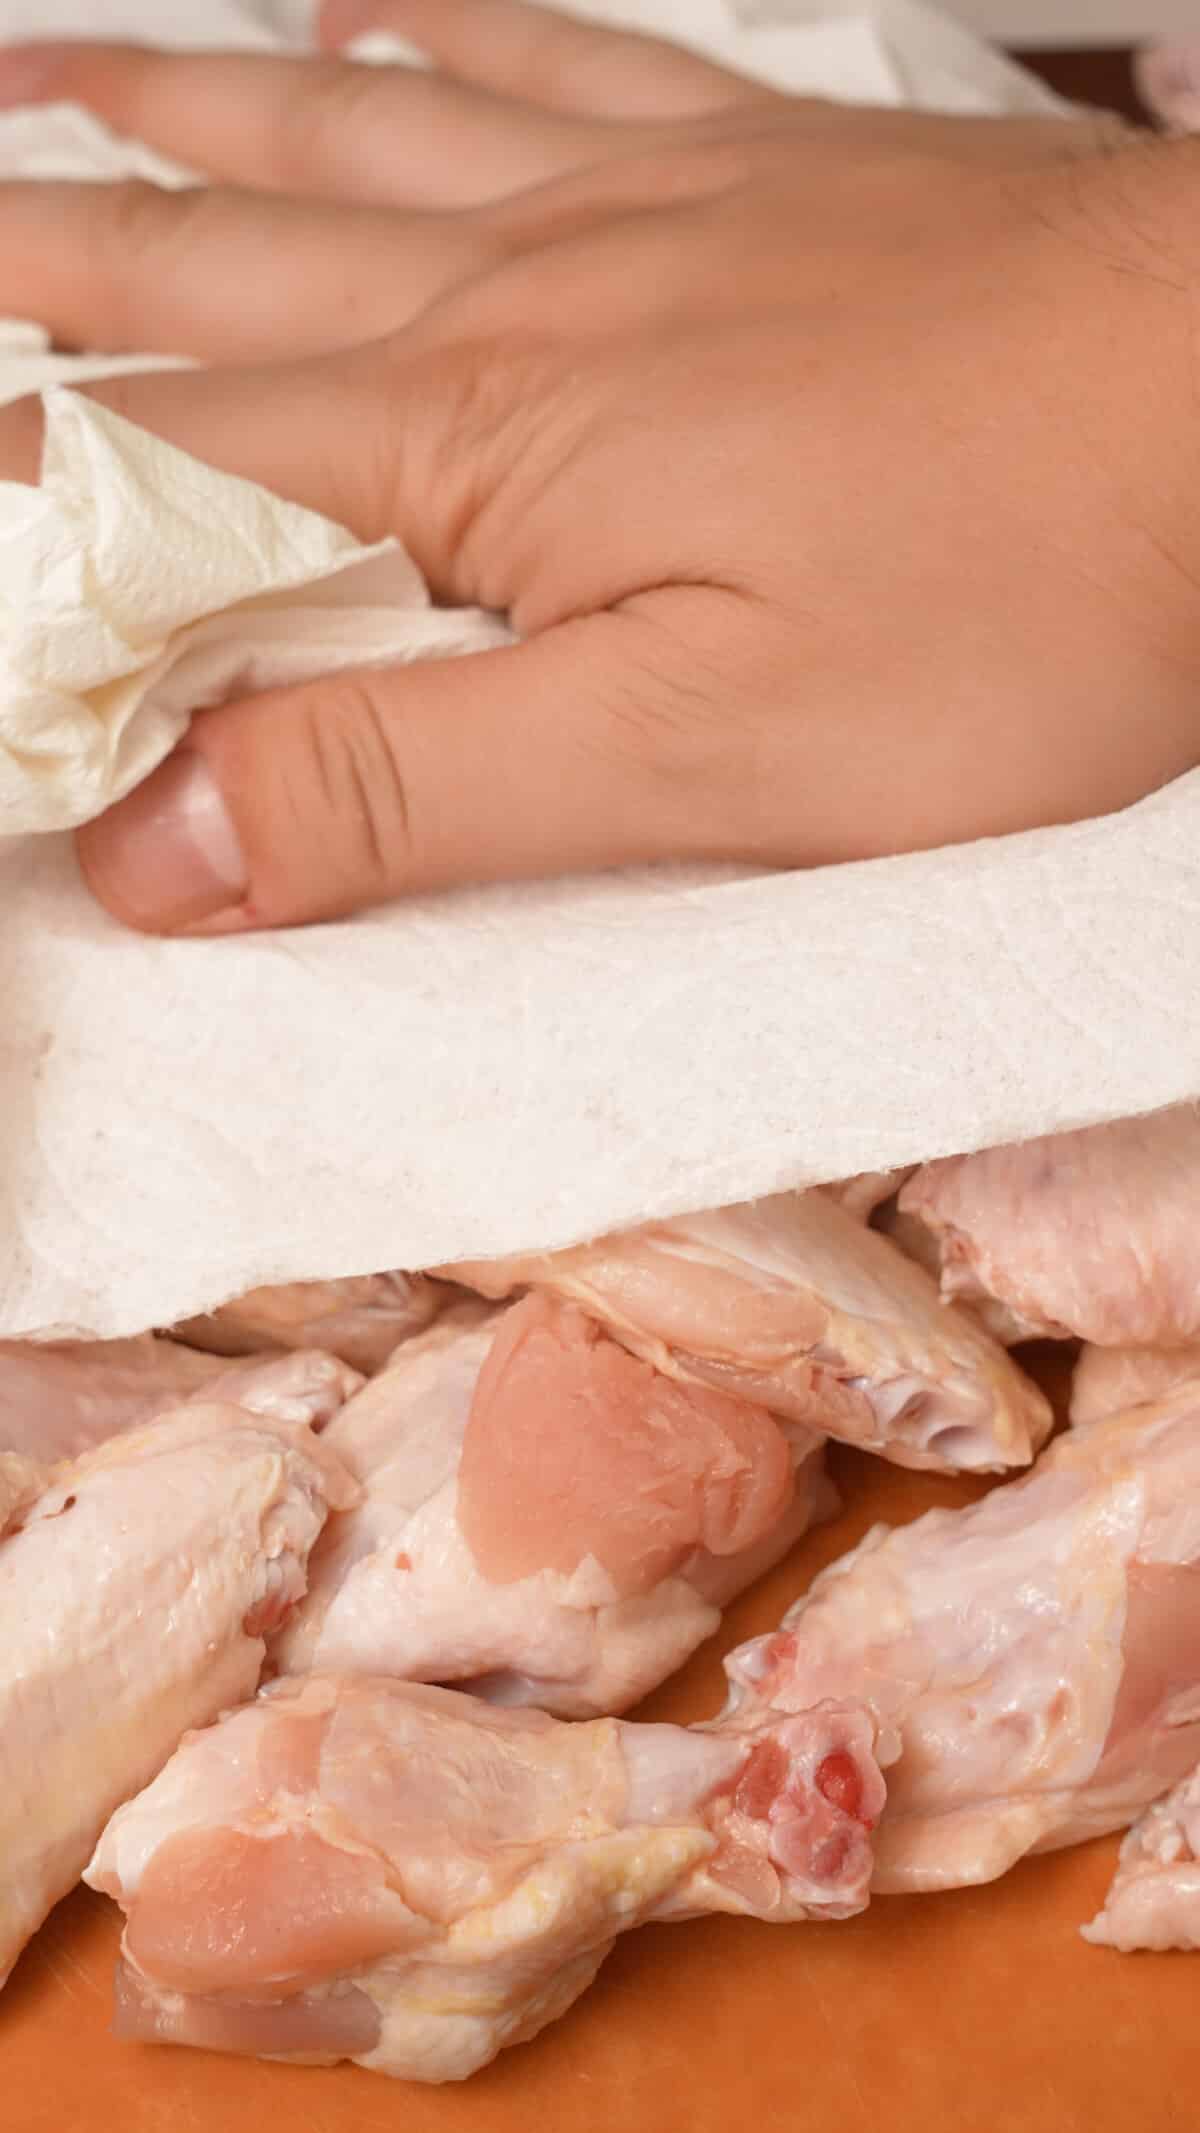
<point x="403" y="1560"/>
<point x="776" y="1654"/>
<point x="761" y="1780"/>
<point x="839" y="1782"/>
<point x="575" y="1448"/>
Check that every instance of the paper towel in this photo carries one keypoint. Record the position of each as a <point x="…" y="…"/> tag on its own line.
<point x="524" y="1067"/>
<point x="139" y="586"/>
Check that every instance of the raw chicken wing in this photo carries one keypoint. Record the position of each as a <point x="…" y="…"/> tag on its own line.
<point x="1093" y="1234"/>
<point x="1154" y="1901"/>
<point x="793" y="1303"/>
<point x="57" y="1399"/>
<point x="1108" y="1380"/>
<point x="544" y="1515"/>
<point x="363" y="1869"/>
<point x="1036" y="1657"/>
<point x="134" y="1601"/>
<point x="361" y="1319"/>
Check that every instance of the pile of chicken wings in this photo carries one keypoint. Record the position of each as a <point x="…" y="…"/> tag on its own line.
<point x="319" y="1613"/>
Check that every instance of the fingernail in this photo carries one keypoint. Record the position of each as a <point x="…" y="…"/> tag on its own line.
<point x="27" y="71"/>
<point x="167" y="857"/>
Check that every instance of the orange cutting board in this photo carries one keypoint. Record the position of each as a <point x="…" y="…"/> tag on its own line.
<point x="976" y="2012"/>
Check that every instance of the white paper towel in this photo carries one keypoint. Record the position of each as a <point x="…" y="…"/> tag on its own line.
<point x="139" y="586"/>
<point x="520" y="1068"/>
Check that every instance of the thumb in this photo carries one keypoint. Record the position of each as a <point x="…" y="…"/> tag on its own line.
<point x="310" y="803"/>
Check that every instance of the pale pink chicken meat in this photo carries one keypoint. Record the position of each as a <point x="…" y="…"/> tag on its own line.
<point x="57" y="1399"/>
<point x="544" y="1516"/>
<point x="135" y="1596"/>
<point x="21" y="1482"/>
<point x="1105" y="1381"/>
<point x="361" y="1318"/>
<point x="1035" y="1659"/>
<point x="1154" y="1901"/>
<point x="792" y="1303"/>
<point x="1091" y="1234"/>
<point x="364" y="1869"/>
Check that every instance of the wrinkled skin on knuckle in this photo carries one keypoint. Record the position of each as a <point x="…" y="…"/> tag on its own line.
<point x="482" y="413"/>
<point x="136" y="227"/>
<point x="691" y="716"/>
<point x="329" y="104"/>
<point x="345" y="792"/>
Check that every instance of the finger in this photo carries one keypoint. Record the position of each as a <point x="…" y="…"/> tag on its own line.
<point x="310" y="127"/>
<point x="320" y="433"/>
<point x="217" y="274"/>
<point x="534" y="53"/>
<point x="409" y="436"/>
<point x="311" y="803"/>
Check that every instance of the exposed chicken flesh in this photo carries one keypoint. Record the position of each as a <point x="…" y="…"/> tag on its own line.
<point x="1037" y="1655"/>
<point x="1108" y="1380"/>
<point x="1093" y="1234"/>
<point x="791" y="1302"/>
<point x="361" y="1319"/>
<point x="57" y="1399"/>
<point x="562" y="1529"/>
<point x="134" y="1602"/>
<point x="363" y="1869"/>
<point x="1154" y="1901"/>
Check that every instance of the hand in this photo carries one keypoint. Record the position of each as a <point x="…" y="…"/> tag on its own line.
<point x="835" y="466"/>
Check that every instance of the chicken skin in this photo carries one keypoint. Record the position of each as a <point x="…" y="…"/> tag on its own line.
<point x="136" y="1592"/>
<point x="1032" y="1662"/>
<point x="793" y="1303"/>
<point x="543" y="1515"/>
<point x="1108" y="1380"/>
<point x="361" y="1319"/>
<point x="58" y="1399"/>
<point x="404" y="1876"/>
<point x="1091" y="1234"/>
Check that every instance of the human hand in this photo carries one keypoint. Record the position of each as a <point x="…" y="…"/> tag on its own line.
<point x="828" y="461"/>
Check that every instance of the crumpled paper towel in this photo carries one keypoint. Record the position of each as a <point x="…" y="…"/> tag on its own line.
<point x="523" y="1067"/>
<point x="139" y="587"/>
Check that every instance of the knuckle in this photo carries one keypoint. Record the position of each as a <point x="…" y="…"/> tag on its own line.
<point x="136" y="237"/>
<point x="136" y="213"/>
<point x="359" y="792"/>
<point x="695" y="719"/>
<point x="485" y="403"/>
<point x="547" y="60"/>
<point x="672" y="716"/>
<point x="331" y="104"/>
<point x="135" y="225"/>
